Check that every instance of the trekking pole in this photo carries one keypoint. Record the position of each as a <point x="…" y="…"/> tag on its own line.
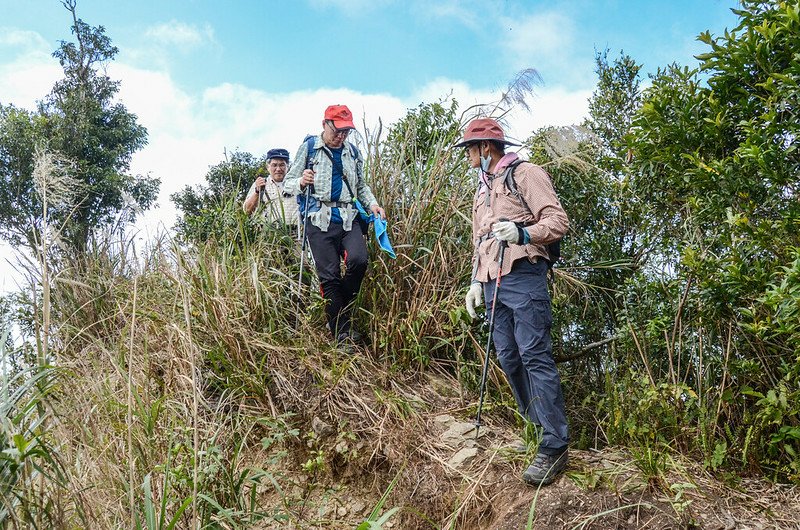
<point x="309" y="165"/>
<point x="485" y="373"/>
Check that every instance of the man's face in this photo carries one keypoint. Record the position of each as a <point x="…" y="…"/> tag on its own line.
<point x="333" y="137"/>
<point x="473" y="154"/>
<point x="277" y="169"/>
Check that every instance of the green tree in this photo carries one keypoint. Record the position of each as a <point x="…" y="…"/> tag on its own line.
<point x="81" y="121"/>
<point x="716" y="164"/>
<point x="213" y="211"/>
<point x="613" y="105"/>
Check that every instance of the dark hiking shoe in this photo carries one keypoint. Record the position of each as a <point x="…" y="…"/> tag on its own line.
<point x="545" y="468"/>
<point x="353" y="337"/>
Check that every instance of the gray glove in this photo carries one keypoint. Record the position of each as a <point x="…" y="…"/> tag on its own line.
<point x="506" y="231"/>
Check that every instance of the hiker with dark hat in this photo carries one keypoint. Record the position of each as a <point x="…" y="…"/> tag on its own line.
<point x="280" y="207"/>
<point x="515" y="205"/>
<point x="327" y="176"/>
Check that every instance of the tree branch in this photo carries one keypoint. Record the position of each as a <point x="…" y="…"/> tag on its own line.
<point x="585" y="350"/>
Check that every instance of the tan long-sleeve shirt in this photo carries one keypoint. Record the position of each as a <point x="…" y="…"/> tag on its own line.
<point x="277" y="206"/>
<point x="544" y="218"/>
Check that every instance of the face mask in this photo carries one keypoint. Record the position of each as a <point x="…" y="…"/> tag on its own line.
<point x="485" y="163"/>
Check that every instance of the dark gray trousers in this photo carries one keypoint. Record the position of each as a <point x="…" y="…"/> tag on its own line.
<point x="521" y="337"/>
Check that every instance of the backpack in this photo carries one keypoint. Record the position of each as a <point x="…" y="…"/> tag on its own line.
<point x="362" y="217"/>
<point x="554" y="247"/>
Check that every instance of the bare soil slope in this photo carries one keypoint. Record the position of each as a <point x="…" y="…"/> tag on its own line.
<point x="420" y="434"/>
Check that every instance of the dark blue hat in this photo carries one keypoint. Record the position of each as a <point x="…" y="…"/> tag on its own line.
<point x="278" y="153"/>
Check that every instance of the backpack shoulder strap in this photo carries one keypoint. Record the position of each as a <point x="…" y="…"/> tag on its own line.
<point x="355" y="154"/>
<point x="310" y="139"/>
<point x="511" y="183"/>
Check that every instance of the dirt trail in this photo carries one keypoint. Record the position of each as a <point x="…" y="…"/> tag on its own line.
<point x="420" y="435"/>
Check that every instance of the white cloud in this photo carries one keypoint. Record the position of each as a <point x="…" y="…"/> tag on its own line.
<point x="180" y="34"/>
<point x="460" y="91"/>
<point x="469" y="14"/>
<point x="548" y="106"/>
<point x="25" y="39"/>
<point x="31" y="74"/>
<point x="23" y="84"/>
<point x="546" y="41"/>
<point x="539" y="38"/>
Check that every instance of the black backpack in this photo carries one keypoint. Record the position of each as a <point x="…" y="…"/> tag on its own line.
<point x="554" y="247"/>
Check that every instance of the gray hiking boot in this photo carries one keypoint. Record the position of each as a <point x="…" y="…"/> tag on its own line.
<point x="545" y="468"/>
<point x="353" y="337"/>
<point x="357" y="337"/>
<point x="345" y="342"/>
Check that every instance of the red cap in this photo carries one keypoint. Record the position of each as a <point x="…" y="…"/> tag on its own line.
<point x="483" y="129"/>
<point x="341" y="116"/>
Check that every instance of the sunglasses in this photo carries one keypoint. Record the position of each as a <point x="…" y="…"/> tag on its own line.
<point x="339" y="132"/>
<point x="470" y="146"/>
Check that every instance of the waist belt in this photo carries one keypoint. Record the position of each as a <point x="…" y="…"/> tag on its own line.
<point x="485" y="236"/>
<point x="337" y="204"/>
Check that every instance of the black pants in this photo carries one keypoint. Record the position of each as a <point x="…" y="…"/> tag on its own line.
<point x="339" y="291"/>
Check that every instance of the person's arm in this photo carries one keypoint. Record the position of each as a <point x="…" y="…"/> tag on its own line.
<point x="251" y="201"/>
<point x="474" y="296"/>
<point x="537" y="189"/>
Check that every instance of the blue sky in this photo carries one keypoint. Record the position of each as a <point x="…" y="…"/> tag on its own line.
<point x="207" y="77"/>
<point x="379" y="45"/>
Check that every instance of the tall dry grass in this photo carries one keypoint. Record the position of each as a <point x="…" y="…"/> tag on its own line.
<point x="188" y="389"/>
<point x="413" y="304"/>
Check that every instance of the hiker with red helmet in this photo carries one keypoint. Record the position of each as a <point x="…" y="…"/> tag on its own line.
<point x="279" y="207"/>
<point x="327" y="176"/>
<point x="516" y="212"/>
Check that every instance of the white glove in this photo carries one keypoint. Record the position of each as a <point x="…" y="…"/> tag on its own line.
<point x="474" y="299"/>
<point x="506" y="231"/>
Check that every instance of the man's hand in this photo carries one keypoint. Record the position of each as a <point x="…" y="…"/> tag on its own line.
<point x="474" y="299"/>
<point x="508" y="231"/>
<point x="378" y="211"/>
<point x="307" y="178"/>
<point x="260" y="182"/>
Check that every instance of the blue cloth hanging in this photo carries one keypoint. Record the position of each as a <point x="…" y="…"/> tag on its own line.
<point x="381" y="233"/>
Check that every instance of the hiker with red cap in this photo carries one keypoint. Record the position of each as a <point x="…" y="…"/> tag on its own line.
<point x="516" y="214"/>
<point x="279" y="207"/>
<point x="329" y="172"/>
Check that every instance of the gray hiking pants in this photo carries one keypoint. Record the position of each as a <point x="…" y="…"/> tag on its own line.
<point x="521" y="337"/>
